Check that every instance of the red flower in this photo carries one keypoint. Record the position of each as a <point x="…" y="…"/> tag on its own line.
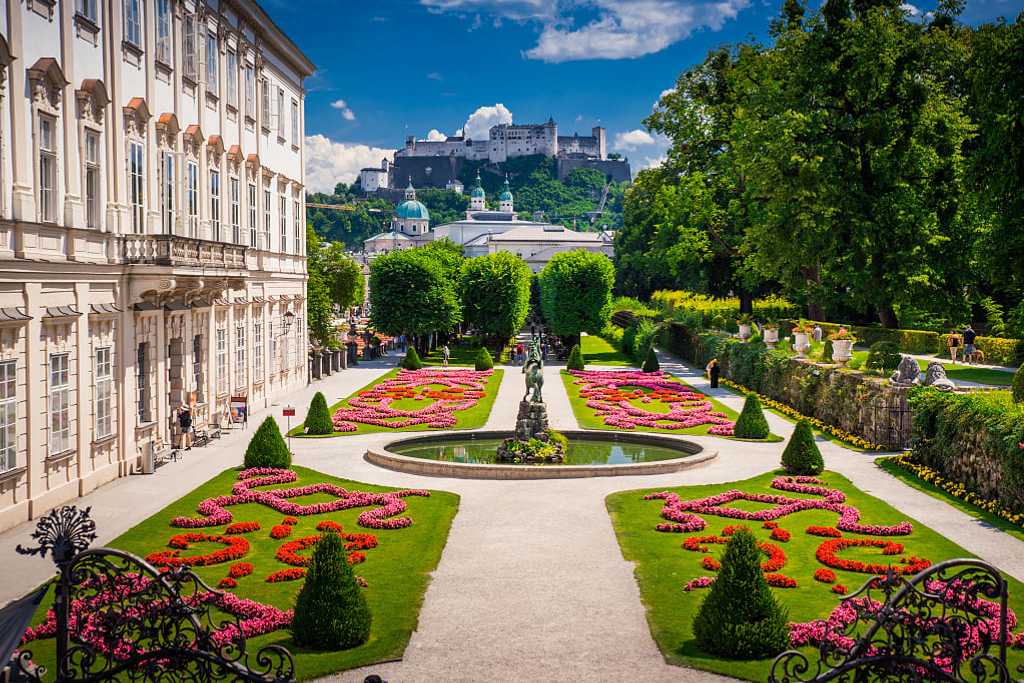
<point x="236" y="548"/>
<point x="227" y="582"/>
<point x="770" y="525"/>
<point x="280" y="531"/>
<point x="827" y="553"/>
<point x="711" y="564"/>
<point x="780" y="535"/>
<point x="839" y="589"/>
<point x="289" y="552"/>
<point x="328" y="525"/>
<point x="290" y="574"/>
<point x="290" y="521"/>
<point x="780" y="581"/>
<point x="825" y="576"/>
<point x="242" y="527"/>
<point x="240" y="569"/>
<point x="830" y="531"/>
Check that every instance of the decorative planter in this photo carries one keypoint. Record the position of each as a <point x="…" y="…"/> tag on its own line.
<point x="771" y="335"/>
<point x="744" y="331"/>
<point x="842" y="350"/>
<point x="801" y="342"/>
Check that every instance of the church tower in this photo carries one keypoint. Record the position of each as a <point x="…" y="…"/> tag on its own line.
<point x="477" y="200"/>
<point x="505" y="198"/>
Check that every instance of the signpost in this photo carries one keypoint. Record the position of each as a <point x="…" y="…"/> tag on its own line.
<point x="289" y="412"/>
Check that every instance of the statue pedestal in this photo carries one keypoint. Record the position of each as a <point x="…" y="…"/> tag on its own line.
<point x="531" y="424"/>
<point x="532" y="420"/>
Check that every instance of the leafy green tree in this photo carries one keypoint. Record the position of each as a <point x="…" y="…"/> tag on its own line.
<point x="267" y="447"/>
<point x="495" y="291"/>
<point x="412" y="292"/>
<point x="801" y="455"/>
<point x="319" y="311"/>
<point x="1018" y="385"/>
<point x="344" y="277"/>
<point x="318" y="417"/>
<point x="330" y="611"/>
<point x="751" y="424"/>
<point x="576" y="292"/>
<point x="740" y="618"/>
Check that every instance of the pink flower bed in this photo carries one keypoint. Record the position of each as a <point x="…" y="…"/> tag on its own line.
<point x="683" y="514"/>
<point x="459" y="390"/>
<point x="610" y="394"/>
<point x="214" y="511"/>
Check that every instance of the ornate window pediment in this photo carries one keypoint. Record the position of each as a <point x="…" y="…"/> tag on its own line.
<point x="92" y="99"/>
<point x="252" y="165"/>
<point x="136" y="115"/>
<point x="235" y="158"/>
<point x="167" y="129"/>
<point x="215" y="148"/>
<point x="47" y="81"/>
<point x="193" y="140"/>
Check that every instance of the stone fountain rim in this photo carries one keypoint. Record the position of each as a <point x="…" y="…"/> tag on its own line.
<point x="696" y="455"/>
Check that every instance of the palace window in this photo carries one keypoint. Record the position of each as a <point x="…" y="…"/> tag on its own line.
<point x="250" y="92"/>
<point x="295" y="123"/>
<point x="236" y="212"/>
<point x="167" y="191"/>
<point x="297" y="221"/>
<point x="215" y="204"/>
<point x="87" y="8"/>
<point x="265" y="103"/>
<point x="104" y="392"/>
<point x="240" y="347"/>
<point x="193" y="199"/>
<point x="47" y="168"/>
<point x="231" y="78"/>
<point x="92" y="179"/>
<point x="283" y="206"/>
<point x="60" y="404"/>
<point x="189" y="43"/>
<point x="133" y="22"/>
<point x="8" y="415"/>
<point x="252" y="214"/>
<point x="142" y="381"/>
<point x="266" y="219"/>
<point x="197" y="366"/>
<point x="222" y="360"/>
<point x="135" y="185"/>
<point x="257" y="349"/>
<point x="212" y="63"/>
<point x="163" y="32"/>
<point x="273" y="348"/>
<point x="280" y="112"/>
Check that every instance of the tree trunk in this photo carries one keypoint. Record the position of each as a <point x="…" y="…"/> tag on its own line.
<point x="887" y="316"/>
<point x="815" y="311"/>
<point x="746" y="302"/>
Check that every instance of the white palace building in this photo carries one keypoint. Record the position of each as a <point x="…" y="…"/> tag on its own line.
<point x="152" y="230"/>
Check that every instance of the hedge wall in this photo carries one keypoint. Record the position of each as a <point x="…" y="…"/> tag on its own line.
<point x="973" y="439"/>
<point x="850" y="401"/>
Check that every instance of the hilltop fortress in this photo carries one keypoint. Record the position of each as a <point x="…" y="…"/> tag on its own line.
<point x="438" y="163"/>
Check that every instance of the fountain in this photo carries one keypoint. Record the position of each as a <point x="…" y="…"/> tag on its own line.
<point x="533" y="441"/>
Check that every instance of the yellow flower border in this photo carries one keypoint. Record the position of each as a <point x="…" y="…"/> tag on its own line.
<point x="788" y="410"/>
<point x="906" y="463"/>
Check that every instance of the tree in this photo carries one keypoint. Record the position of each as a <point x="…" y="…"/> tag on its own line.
<point x="330" y="611"/>
<point x="1018" y="385"/>
<point x="751" y="424"/>
<point x="495" y="292"/>
<point x="267" y="447"/>
<point x="412" y="293"/>
<point x="740" y="617"/>
<point x="318" y="417"/>
<point x="576" y="292"/>
<point x="801" y="455"/>
<point x="344" y="277"/>
<point x="319" y="311"/>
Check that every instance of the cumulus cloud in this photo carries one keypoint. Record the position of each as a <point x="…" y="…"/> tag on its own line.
<point x="631" y="139"/>
<point x="329" y="163"/>
<point x="435" y="76"/>
<point x="648" y="150"/>
<point x="478" y="125"/>
<point x="603" y="29"/>
<point x="346" y="111"/>
<point x="910" y="9"/>
<point x="436" y="136"/>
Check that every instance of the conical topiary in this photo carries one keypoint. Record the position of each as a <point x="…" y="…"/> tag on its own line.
<point x="330" y="612"/>
<point x="412" y="360"/>
<point x="483" y="360"/>
<point x="802" y="455"/>
<point x="826" y="352"/>
<point x="576" y="360"/>
<point x="651" y="362"/>
<point x="318" y="419"/>
<point x="740" y="617"/>
<point x="751" y="424"/>
<point x="1018" y="385"/>
<point x="267" y="447"/>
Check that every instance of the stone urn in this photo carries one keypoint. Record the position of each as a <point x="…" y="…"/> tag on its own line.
<point x="771" y="336"/>
<point x="842" y="350"/>
<point x="744" y="330"/>
<point x="801" y="342"/>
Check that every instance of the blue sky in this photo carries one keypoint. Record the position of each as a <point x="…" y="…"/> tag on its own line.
<point x="391" y="68"/>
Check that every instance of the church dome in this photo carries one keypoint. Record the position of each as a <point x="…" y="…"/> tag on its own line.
<point x="506" y="194"/>
<point x="412" y="209"/>
<point x="478" y="192"/>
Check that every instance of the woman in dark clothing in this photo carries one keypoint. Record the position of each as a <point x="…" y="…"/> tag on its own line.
<point x="713" y="372"/>
<point x="185" y="424"/>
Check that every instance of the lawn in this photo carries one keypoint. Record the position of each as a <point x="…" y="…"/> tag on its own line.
<point x="468" y="418"/>
<point x="461" y="354"/>
<point x="396" y="571"/>
<point x="599" y="351"/>
<point x="663" y="567"/>
<point x="587" y="418"/>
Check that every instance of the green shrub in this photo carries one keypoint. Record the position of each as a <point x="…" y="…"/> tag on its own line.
<point x="826" y="351"/>
<point x="1018" y="385"/>
<point x="412" y="360"/>
<point x="857" y="362"/>
<point x="483" y="360"/>
<point x="629" y="340"/>
<point x="651" y="362"/>
<point x="751" y="424"/>
<point x="884" y="355"/>
<point x="559" y="439"/>
<point x="318" y="418"/>
<point x="330" y="611"/>
<point x="997" y="351"/>
<point x="740" y="617"/>
<point x="646" y="334"/>
<point x="576" y="360"/>
<point x="267" y="447"/>
<point x="718" y="322"/>
<point x="802" y="455"/>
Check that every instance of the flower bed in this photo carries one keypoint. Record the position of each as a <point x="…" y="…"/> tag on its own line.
<point x="445" y="391"/>
<point x="613" y="396"/>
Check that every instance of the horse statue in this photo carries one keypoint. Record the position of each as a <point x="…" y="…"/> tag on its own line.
<point x="533" y="369"/>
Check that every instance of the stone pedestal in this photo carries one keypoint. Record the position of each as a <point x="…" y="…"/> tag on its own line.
<point x="532" y="420"/>
<point x="531" y="423"/>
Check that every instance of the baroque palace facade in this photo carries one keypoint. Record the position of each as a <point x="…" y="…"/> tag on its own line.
<point x="152" y="231"/>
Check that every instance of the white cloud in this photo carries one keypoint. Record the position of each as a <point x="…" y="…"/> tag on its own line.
<point x="478" y="125"/>
<point x="346" y="112"/>
<point x="910" y="9"/>
<point x="436" y="136"/>
<point x="435" y="76"/>
<point x="602" y="29"/>
<point x="329" y="163"/>
<point x="631" y="139"/>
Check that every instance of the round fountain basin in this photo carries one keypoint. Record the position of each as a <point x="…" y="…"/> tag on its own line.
<point x="590" y="454"/>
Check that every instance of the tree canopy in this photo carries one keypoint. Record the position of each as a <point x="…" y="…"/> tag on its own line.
<point x="576" y="292"/>
<point x="411" y="292"/>
<point x="495" y="292"/>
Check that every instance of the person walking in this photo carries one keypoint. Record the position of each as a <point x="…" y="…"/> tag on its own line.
<point x="970" y="336"/>
<point x="185" y="428"/>
<point x="817" y="334"/>
<point x="954" y="345"/>
<point x="713" y="372"/>
<point x="446" y="354"/>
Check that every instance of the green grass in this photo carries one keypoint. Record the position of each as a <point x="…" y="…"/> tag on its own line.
<point x="460" y="355"/>
<point x="471" y="418"/>
<point x="981" y="517"/>
<point x="663" y="567"/>
<point x="397" y="570"/>
<point x="588" y="420"/>
<point x="599" y="351"/>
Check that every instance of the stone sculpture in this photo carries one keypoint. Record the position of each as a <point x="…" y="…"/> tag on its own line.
<point x="935" y="376"/>
<point x="907" y="372"/>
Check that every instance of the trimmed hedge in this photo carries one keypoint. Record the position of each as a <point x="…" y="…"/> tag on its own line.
<point x="884" y="355"/>
<point x="267" y="447"/>
<point x="483" y="360"/>
<point x="1018" y="385"/>
<point x="318" y="417"/>
<point x="768" y="308"/>
<point x="412" y="360"/>
<point x="576" y="360"/>
<point x="330" y="611"/>
<point x="651" y="362"/>
<point x="802" y="456"/>
<point x="751" y="424"/>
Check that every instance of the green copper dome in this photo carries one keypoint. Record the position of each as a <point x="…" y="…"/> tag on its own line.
<point x="412" y="209"/>
<point x="506" y="194"/>
<point x="478" y="192"/>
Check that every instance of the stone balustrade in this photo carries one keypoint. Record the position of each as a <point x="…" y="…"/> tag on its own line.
<point x="177" y="251"/>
